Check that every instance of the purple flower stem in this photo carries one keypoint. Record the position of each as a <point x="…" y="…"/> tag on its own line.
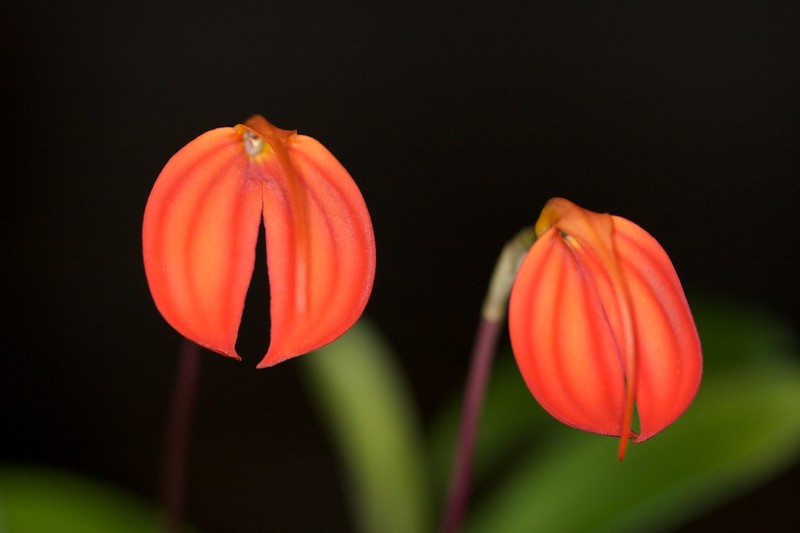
<point x="493" y="316"/>
<point x="482" y="356"/>
<point x="173" y="474"/>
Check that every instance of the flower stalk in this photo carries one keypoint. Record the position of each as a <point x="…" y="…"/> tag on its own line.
<point x="179" y="423"/>
<point x="493" y="314"/>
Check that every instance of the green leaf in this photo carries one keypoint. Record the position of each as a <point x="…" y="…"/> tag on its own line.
<point x="33" y="500"/>
<point x="368" y="407"/>
<point x="734" y="335"/>
<point x="741" y="429"/>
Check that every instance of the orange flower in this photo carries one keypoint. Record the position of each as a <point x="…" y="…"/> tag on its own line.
<point x="599" y="324"/>
<point x="200" y="229"/>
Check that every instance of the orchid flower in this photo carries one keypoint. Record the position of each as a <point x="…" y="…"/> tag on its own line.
<point x="600" y="325"/>
<point x="202" y="222"/>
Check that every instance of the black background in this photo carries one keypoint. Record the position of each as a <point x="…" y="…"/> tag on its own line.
<point x="457" y="121"/>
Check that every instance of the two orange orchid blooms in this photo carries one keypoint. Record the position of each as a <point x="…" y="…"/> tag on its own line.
<point x="598" y="319"/>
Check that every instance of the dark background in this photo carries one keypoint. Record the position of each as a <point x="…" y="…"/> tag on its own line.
<point x="457" y="121"/>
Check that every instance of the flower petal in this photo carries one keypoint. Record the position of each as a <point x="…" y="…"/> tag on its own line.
<point x="198" y="237"/>
<point x="320" y="244"/>
<point x="669" y="358"/>
<point x="562" y="340"/>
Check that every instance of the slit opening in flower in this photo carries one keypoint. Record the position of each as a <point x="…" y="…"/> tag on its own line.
<point x="255" y="328"/>
<point x="636" y="426"/>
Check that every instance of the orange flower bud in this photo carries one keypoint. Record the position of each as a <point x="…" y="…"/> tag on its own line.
<point x="599" y="324"/>
<point x="200" y="229"/>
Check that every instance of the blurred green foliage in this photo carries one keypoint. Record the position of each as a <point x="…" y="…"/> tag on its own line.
<point x="35" y="500"/>
<point x="368" y="407"/>
<point x="531" y="472"/>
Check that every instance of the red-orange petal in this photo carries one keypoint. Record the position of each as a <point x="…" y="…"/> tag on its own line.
<point x="320" y="247"/>
<point x="198" y="238"/>
<point x="669" y="356"/>
<point x="566" y="353"/>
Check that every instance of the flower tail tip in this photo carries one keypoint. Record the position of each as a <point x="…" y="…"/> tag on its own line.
<point x="623" y="447"/>
<point x="624" y="439"/>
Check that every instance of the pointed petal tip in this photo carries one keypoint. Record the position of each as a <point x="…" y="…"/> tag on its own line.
<point x="278" y="352"/>
<point x="227" y="352"/>
<point x="267" y="362"/>
<point x="272" y="359"/>
<point x="235" y="356"/>
<point x="282" y="349"/>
